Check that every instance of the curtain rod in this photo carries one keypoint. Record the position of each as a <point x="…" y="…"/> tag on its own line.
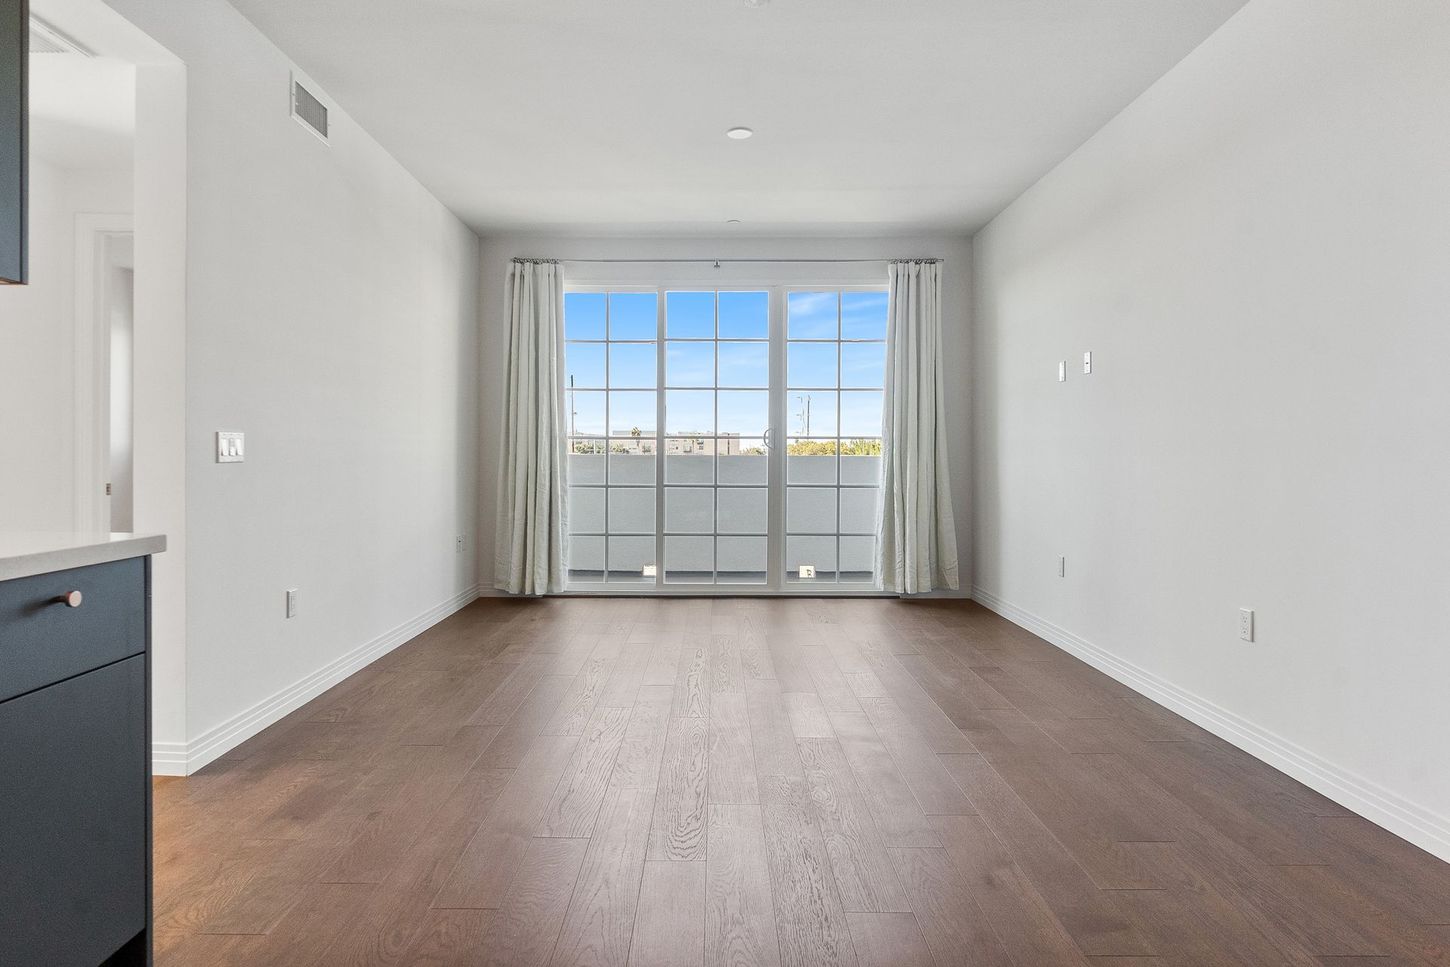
<point x="719" y="262"/>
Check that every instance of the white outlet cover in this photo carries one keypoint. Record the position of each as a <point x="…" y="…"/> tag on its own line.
<point x="1087" y="363"/>
<point x="291" y="602"/>
<point x="1062" y="371"/>
<point x="1246" y="624"/>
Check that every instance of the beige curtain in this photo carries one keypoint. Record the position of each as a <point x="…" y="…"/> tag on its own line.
<point x="529" y="556"/>
<point x="916" y="543"/>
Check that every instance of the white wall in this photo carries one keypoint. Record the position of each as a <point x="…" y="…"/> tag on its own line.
<point x="331" y="315"/>
<point x="957" y="282"/>
<point x="1256" y="254"/>
<point x="37" y="341"/>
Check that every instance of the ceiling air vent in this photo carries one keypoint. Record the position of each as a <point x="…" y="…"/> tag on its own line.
<point x="45" y="39"/>
<point x="308" y="110"/>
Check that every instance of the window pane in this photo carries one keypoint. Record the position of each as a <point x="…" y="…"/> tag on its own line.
<point x="810" y="510"/>
<point x="635" y="468"/>
<point x="690" y="560"/>
<point x="740" y="560"/>
<point x="689" y="364"/>
<point x="583" y="315"/>
<point x="689" y="461"/>
<point x="689" y="510"/>
<point x="586" y="558"/>
<point x="690" y="315"/>
<point x="584" y="364"/>
<point x="810" y="462"/>
<point x="744" y="364"/>
<point x="586" y="510"/>
<point x="810" y="414"/>
<point x="861" y="413"/>
<point x="743" y="510"/>
<point x="810" y="364"/>
<point x="742" y="461"/>
<point x="633" y="315"/>
<point x="744" y="412"/>
<point x="632" y="364"/>
<point x="628" y="557"/>
<point x="689" y="412"/>
<point x="631" y="510"/>
<point x="863" y="315"/>
<point x="861" y="462"/>
<point x="820" y="552"/>
<point x="858" y="510"/>
<point x="632" y="417"/>
<point x="585" y="416"/>
<point x="858" y="558"/>
<point x="744" y="315"/>
<point x="863" y="364"/>
<point x="812" y="315"/>
<point x="586" y="462"/>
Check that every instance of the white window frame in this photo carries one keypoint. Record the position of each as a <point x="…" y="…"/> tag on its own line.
<point x="775" y="583"/>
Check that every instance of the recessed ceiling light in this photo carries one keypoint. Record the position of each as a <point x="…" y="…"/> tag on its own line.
<point x="739" y="134"/>
<point x="756" y="3"/>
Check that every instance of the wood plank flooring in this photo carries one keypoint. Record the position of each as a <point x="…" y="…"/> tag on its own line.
<point x="710" y="782"/>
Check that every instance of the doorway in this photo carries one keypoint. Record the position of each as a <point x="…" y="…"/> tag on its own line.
<point x="723" y="439"/>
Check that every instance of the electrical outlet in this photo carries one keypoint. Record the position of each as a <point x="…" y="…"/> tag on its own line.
<point x="458" y="544"/>
<point x="807" y="571"/>
<point x="1061" y="566"/>
<point x="1246" y="624"/>
<point x="1087" y="363"/>
<point x="1062" y="371"/>
<point x="291" y="602"/>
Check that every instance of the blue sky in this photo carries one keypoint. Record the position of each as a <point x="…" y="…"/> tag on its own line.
<point x="744" y="316"/>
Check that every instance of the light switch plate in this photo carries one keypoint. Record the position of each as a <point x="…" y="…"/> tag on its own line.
<point x="1062" y="371"/>
<point x="230" y="446"/>
<point x="1087" y="363"/>
<point x="291" y="602"/>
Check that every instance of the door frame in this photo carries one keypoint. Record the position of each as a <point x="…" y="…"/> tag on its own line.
<point x="776" y="584"/>
<point x="93" y="230"/>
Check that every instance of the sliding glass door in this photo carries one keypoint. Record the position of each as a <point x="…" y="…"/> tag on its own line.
<point x="723" y="439"/>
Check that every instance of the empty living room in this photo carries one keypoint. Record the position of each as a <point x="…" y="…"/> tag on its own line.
<point x="724" y="483"/>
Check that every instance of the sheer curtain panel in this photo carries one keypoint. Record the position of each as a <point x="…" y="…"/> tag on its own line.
<point x="917" y="543"/>
<point x="529" y="556"/>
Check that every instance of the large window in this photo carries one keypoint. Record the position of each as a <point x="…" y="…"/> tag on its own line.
<point x="835" y="369"/>
<point x="723" y="437"/>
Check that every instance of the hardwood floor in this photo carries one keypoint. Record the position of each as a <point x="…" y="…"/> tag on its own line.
<point x="750" y="781"/>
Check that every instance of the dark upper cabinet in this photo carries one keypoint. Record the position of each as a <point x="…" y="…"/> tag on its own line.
<point x="14" y="79"/>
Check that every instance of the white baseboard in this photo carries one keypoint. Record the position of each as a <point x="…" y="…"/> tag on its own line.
<point x="182" y="759"/>
<point x="1421" y="826"/>
<point x="168" y="758"/>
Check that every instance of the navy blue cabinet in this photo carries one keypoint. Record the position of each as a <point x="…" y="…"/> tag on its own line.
<point x="75" y="775"/>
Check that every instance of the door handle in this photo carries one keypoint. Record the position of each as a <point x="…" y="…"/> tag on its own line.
<point x="768" y="444"/>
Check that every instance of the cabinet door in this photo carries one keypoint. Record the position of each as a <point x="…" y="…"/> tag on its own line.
<point x="14" y="71"/>
<point x="73" y="818"/>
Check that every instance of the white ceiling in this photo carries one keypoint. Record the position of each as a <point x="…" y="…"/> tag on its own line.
<point x="872" y="116"/>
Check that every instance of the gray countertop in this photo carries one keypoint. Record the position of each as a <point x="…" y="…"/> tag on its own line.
<point x="24" y="554"/>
